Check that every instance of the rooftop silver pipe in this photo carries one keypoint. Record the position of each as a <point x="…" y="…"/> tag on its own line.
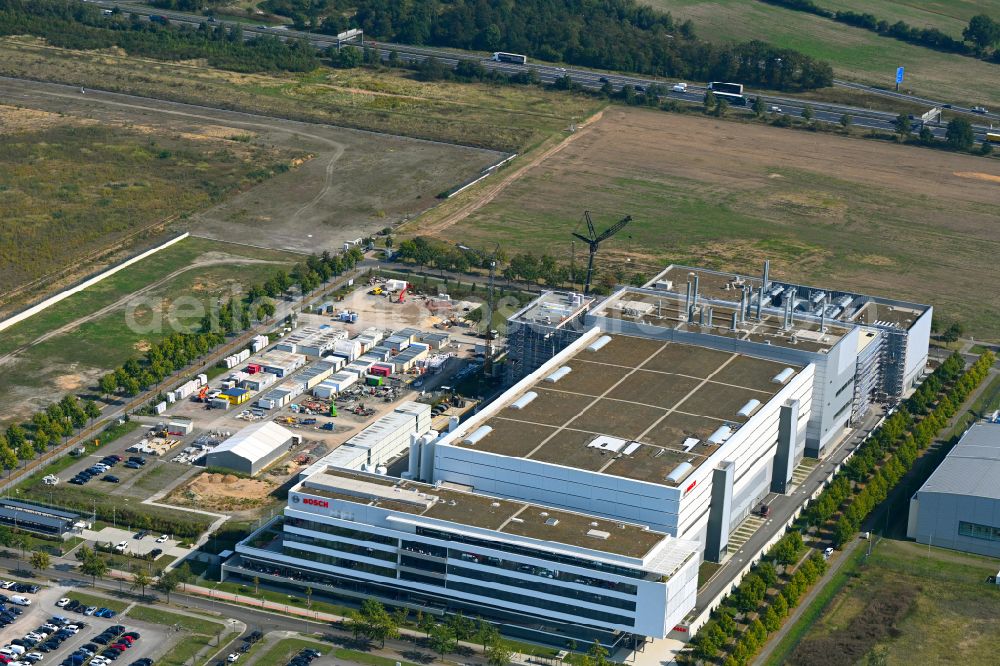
<point x="760" y="301"/>
<point x="732" y="324"/>
<point x="767" y="271"/>
<point x="687" y="303"/>
<point x="695" y="303"/>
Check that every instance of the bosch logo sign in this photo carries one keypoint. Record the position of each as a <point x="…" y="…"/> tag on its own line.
<point x="688" y="489"/>
<point x="315" y="502"/>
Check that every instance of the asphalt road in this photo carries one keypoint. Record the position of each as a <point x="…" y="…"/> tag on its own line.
<point x="822" y="112"/>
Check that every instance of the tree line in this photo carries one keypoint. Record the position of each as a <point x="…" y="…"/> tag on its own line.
<point x="620" y="35"/>
<point x="75" y="25"/>
<point x="865" y="481"/>
<point x="979" y="38"/>
<point x="526" y="267"/>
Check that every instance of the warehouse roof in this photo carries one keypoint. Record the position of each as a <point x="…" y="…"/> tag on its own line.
<point x="256" y="441"/>
<point x="971" y="468"/>
<point x="631" y="407"/>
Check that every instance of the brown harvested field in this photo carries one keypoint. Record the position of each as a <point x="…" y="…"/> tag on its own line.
<point x="871" y="216"/>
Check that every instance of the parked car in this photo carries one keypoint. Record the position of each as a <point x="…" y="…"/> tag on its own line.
<point x="828" y="552"/>
<point x="20" y="601"/>
<point x="62" y="603"/>
<point x="111" y="479"/>
<point x="162" y="538"/>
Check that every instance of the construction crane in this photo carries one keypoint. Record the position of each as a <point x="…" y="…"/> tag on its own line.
<point x="595" y="240"/>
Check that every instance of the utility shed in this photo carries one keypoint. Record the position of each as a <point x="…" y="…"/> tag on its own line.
<point x="251" y="449"/>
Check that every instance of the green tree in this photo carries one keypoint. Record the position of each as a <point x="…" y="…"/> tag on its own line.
<point x="807" y="113"/>
<point x="166" y="584"/>
<point x="598" y="654"/>
<point x="959" y="134"/>
<point x="710" y="102"/>
<point x="954" y="331"/>
<point x="442" y="639"/>
<point x="425" y="623"/>
<point x="498" y="652"/>
<point x="378" y="623"/>
<point x="94" y="566"/>
<point x="183" y="575"/>
<point x="463" y="627"/>
<point x="846" y="120"/>
<point x="7" y="456"/>
<point x="986" y="149"/>
<point x="843" y="531"/>
<point x="759" y="109"/>
<point x="26" y="451"/>
<point x="721" y="108"/>
<point x="982" y="31"/>
<point x="926" y="136"/>
<point x="902" y="125"/>
<point x="140" y="579"/>
<point x="40" y="560"/>
<point x="108" y="385"/>
<point x="91" y="409"/>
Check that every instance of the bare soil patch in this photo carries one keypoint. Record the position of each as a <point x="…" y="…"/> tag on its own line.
<point x="222" y="492"/>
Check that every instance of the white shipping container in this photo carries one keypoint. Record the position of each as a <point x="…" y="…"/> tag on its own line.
<point x="203" y="379"/>
<point x="325" y="389"/>
<point x="171" y="398"/>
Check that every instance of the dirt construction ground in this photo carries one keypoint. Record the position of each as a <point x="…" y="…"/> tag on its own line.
<point x="899" y="221"/>
<point x="355" y="184"/>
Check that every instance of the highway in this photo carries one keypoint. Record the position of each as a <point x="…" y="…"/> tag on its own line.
<point x="823" y="112"/>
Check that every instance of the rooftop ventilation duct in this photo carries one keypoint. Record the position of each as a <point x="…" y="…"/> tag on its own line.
<point x="599" y="534"/>
<point x="678" y="472"/>
<point x="477" y="435"/>
<point x="524" y="400"/>
<point x="559" y="374"/>
<point x="551" y="522"/>
<point x="747" y="409"/>
<point x="631" y="448"/>
<point x="783" y="376"/>
<point x="690" y="443"/>
<point x="721" y="434"/>
<point x="599" y="343"/>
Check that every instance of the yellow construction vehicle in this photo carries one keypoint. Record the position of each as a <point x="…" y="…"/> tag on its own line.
<point x="377" y="291"/>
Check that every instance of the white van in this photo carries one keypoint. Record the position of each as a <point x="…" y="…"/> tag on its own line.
<point x="20" y="601"/>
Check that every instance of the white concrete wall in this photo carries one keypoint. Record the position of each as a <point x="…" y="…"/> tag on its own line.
<point x="62" y="295"/>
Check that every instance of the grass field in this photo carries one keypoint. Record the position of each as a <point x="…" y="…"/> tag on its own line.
<point x="878" y="218"/>
<point x="99" y="601"/>
<point x="942" y="611"/>
<point x="67" y="346"/>
<point x="855" y="54"/>
<point x="499" y="117"/>
<point x="72" y="186"/>
<point x="280" y="653"/>
<point x="949" y="16"/>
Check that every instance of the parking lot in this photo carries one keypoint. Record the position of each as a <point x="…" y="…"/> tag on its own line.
<point x="154" y="640"/>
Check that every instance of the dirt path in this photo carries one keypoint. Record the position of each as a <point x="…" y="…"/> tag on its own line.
<point x="328" y="182"/>
<point x="122" y="302"/>
<point x="491" y="192"/>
